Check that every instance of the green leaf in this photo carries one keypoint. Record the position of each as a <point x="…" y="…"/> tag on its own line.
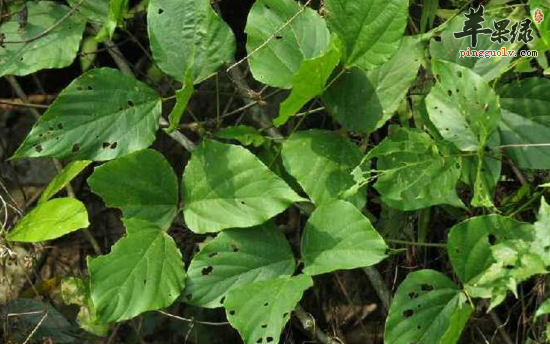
<point x="226" y="186"/>
<point x="541" y="43"/>
<point x="448" y="48"/>
<point x="187" y="36"/>
<point x="117" y="10"/>
<point x="541" y="244"/>
<point x="543" y="309"/>
<point x="234" y="258"/>
<point x="392" y="80"/>
<point x="371" y="30"/>
<point x="96" y="11"/>
<point x="469" y="243"/>
<point x="352" y="100"/>
<point x="308" y="83"/>
<point x="50" y="220"/>
<point x="429" y="12"/>
<point x="247" y="136"/>
<point x="481" y="250"/>
<point x="338" y="236"/>
<point x="57" y="49"/>
<point x="101" y="115"/>
<point x="515" y="263"/>
<point x="75" y="291"/>
<point x="384" y="88"/>
<point x="143" y="272"/>
<point x="260" y="310"/>
<point x="414" y="172"/>
<point x="322" y="161"/>
<point x="142" y="184"/>
<point x="462" y="106"/>
<point x="183" y="96"/>
<point x="428" y="308"/>
<point x="482" y="172"/>
<point x="281" y="34"/>
<point x="88" y="53"/>
<point x="64" y="177"/>
<point x="525" y="121"/>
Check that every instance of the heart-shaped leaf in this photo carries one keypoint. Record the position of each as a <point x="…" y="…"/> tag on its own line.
<point x="101" y="115"/>
<point x="234" y="258"/>
<point x="371" y="30"/>
<point x="321" y="162"/>
<point x="428" y="308"/>
<point x="187" y="36"/>
<point x="226" y="186"/>
<point x="338" y="236"/>
<point x="57" y="49"/>
<point x="281" y="34"/>
<point x="143" y="272"/>
<point x="142" y="184"/>
<point x="462" y="106"/>
<point x="259" y="311"/>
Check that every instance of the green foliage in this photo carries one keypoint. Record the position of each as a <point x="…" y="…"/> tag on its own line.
<point x="226" y="186"/>
<point x="280" y="37"/>
<point x="428" y="308"/>
<point x="50" y="220"/>
<point x="183" y="96"/>
<point x="96" y="12"/>
<point x="457" y="120"/>
<point x="337" y="236"/>
<point x="75" y="291"/>
<point x="321" y="162"/>
<point x="81" y="125"/>
<point x="391" y="81"/>
<point x="260" y="310"/>
<point x="462" y="106"/>
<point x="247" y="136"/>
<point x="352" y="100"/>
<point x="409" y="164"/>
<point x="525" y="120"/>
<point x="188" y="37"/>
<point x="63" y="179"/>
<point x="493" y="254"/>
<point x="447" y="48"/>
<point x="143" y="272"/>
<point x="30" y="53"/>
<point x="309" y="82"/>
<point x="237" y="257"/>
<point x="142" y="184"/>
<point x="371" y="30"/>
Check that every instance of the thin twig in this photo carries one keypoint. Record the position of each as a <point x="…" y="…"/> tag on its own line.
<point x="499" y="325"/>
<point x="308" y="323"/>
<point x="524" y="145"/>
<point x="36" y="328"/>
<point x="51" y="28"/>
<point x="379" y="286"/>
<point x="193" y="321"/>
<point x="412" y="243"/>
<point x="22" y="314"/>
<point x="21" y="104"/>
<point x="258" y="115"/>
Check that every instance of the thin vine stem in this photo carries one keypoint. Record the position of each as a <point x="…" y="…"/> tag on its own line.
<point x="412" y="243"/>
